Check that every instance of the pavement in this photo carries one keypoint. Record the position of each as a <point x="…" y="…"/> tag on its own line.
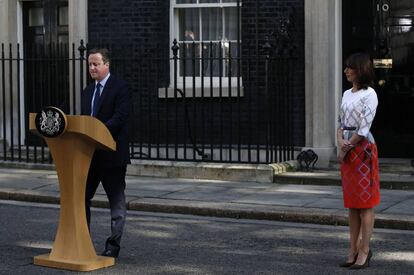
<point x="319" y="204"/>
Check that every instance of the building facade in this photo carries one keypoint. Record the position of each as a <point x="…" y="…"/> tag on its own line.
<point x="321" y="32"/>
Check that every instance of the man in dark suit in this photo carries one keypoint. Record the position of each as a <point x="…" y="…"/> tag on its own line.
<point x="109" y="100"/>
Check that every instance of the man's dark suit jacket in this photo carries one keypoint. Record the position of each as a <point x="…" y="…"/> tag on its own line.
<point x="113" y="110"/>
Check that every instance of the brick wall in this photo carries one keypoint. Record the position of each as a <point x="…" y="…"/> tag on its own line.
<point x="260" y="19"/>
<point x="142" y="23"/>
<point x="133" y="29"/>
<point x="138" y="33"/>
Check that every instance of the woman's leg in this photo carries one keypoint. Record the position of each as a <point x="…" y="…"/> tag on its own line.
<point x="354" y="232"/>
<point x="367" y="226"/>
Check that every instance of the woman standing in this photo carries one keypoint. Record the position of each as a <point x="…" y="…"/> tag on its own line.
<point x="358" y="155"/>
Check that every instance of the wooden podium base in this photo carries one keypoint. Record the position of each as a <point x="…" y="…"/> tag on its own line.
<point x="72" y="153"/>
<point x="99" y="262"/>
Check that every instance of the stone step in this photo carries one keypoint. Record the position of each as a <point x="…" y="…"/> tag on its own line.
<point x="399" y="166"/>
<point x="190" y="170"/>
<point x="388" y="165"/>
<point x="202" y="170"/>
<point x="401" y="181"/>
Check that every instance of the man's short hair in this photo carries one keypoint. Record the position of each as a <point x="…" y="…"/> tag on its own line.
<point x="104" y="52"/>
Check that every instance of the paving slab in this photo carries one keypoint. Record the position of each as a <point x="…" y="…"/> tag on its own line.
<point x="327" y="203"/>
<point x="404" y="207"/>
<point x="205" y="193"/>
<point x="274" y="198"/>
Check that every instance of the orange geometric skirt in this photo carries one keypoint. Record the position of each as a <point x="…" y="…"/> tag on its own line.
<point x="360" y="177"/>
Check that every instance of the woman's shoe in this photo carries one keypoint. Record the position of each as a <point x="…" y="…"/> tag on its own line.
<point x="366" y="264"/>
<point x="348" y="264"/>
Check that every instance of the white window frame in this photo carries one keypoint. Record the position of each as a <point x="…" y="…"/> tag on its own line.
<point x="198" y="90"/>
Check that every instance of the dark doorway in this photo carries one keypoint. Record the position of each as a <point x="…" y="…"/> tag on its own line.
<point x="45" y="37"/>
<point x="385" y="30"/>
<point x="46" y="66"/>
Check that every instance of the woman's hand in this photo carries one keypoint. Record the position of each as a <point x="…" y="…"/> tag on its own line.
<point x="343" y="147"/>
<point x="347" y="145"/>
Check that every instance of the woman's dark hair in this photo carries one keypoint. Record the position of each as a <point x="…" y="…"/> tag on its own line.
<point x="103" y="51"/>
<point x="364" y="70"/>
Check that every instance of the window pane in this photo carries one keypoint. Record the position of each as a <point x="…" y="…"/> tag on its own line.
<point x="189" y="59"/>
<point x="186" y="1"/>
<point x="63" y="39"/>
<point x="35" y="17"/>
<point x="234" y="65"/>
<point x="209" y="1"/>
<point x="230" y="23"/>
<point x="211" y="59"/>
<point x="230" y="1"/>
<point x="212" y="24"/>
<point x="189" y="24"/>
<point x="63" y="16"/>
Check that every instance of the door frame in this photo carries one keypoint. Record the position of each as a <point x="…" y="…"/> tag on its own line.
<point x="323" y="76"/>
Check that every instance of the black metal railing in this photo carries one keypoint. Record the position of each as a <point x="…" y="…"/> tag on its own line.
<point x="192" y="104"/>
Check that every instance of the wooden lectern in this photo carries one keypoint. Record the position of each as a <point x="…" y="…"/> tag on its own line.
<point x="72" y="152"/>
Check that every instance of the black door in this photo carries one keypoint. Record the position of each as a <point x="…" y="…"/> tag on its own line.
<point x="46" y="66"/>
<point x="45" y="38"/>
<point x="385" y="30"/>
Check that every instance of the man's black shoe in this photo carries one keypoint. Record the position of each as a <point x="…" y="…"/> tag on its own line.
<point x="110" y="253"/>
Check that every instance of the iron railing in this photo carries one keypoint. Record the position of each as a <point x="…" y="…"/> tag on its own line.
<point x="198" y="104"/>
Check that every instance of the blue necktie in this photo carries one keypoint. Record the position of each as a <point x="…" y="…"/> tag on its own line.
<point x="96" y="99"/>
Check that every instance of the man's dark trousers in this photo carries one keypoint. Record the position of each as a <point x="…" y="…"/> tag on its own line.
<point x="116" y="197"/>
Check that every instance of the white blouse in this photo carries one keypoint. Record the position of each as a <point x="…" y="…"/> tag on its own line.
<point x="358" y="110"/>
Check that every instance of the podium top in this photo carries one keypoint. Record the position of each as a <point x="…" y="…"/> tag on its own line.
<point x="87" y="126"/>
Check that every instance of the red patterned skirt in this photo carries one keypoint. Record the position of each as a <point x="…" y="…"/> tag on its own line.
<point x="360" y="177"/>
